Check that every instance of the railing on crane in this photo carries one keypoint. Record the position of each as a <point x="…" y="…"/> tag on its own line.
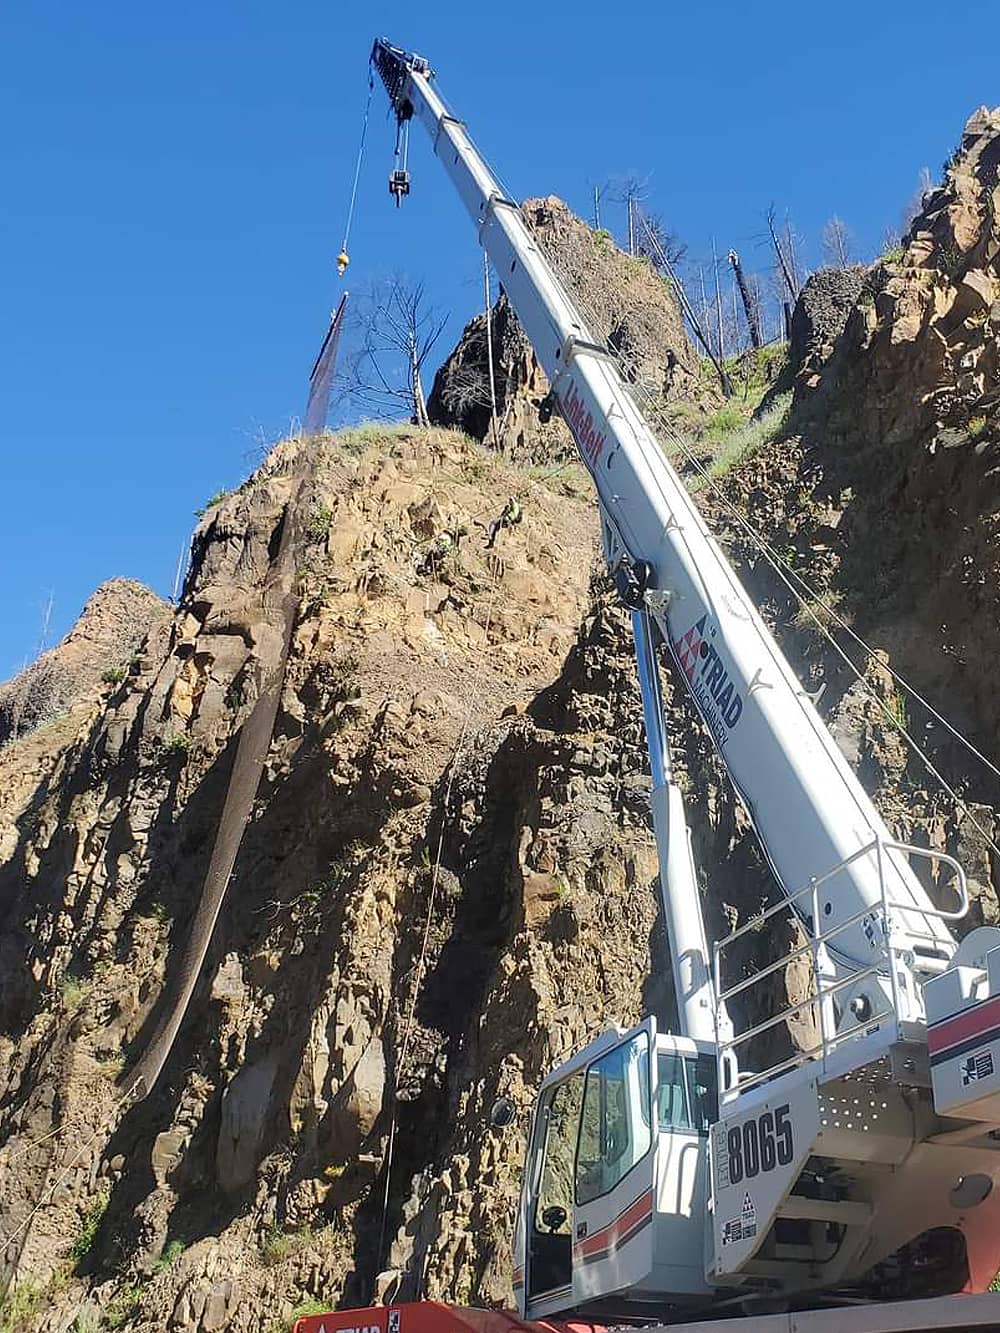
<point x="823" y="984"/>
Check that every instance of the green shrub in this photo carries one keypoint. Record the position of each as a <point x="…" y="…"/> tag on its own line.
<point x="950" y="261"/>
<point x="92" y="1218"/>
<point x="311" y="1306"/>
<point x="896" y="707"/>
<point x="730" y="417"/>
<point x="216" y="499"/>
<point x="114" y="675"/>
<point x="318" y="523"/>
<point x="172" y="1251"/>
<point x="750" y="436"/>
<point x="894" y="255"/>
<point x="124" y="1304"/>
<point x="74" y="991"/>
<point x="20" y="1305"/>
<point x="976" y="427"/>
<point x="178" y="743"/>
<point x="280" y="1245"/>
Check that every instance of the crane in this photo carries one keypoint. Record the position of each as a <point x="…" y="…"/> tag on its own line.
<point x="673" y="1172"/>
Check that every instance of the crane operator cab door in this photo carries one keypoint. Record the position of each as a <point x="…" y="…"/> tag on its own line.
<point x="613" y="1204"/>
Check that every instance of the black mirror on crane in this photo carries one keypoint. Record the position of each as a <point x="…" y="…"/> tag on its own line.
<point x="554" y="1217"/>
<point x="502" y="1113"/>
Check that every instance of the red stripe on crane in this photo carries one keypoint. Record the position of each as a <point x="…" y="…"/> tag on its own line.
<point x="978" y="1018"/>
<point x="639" y="1211"/>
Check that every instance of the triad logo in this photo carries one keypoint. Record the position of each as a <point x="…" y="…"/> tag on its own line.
<point x="687" y="648"/>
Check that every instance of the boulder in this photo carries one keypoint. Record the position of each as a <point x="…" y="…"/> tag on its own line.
<point x="245" y="1107"/>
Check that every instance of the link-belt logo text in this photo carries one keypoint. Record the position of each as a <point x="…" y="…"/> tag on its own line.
<point x="698" y="658"/>
<point x="581" y="423"/>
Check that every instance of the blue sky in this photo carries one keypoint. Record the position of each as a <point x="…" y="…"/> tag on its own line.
<point x="176" y="178"/>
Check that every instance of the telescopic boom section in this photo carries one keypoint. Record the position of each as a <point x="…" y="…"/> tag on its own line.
<point x="812" y="816"/>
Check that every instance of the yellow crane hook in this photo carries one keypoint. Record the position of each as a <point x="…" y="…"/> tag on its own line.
<point x="343" y="259"/>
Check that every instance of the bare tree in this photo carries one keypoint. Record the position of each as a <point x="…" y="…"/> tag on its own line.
<point x="751" y="305"/>
<point x="662" y="263"/>
<point x="654" y="237"/>
<point x="397" y="331"/>
<point x="838" y="243"/>
<point x="630" y="191"/>
<point x="914" y="207"/>
<point x="599" y="191"/>
<point x="784" y="255"/>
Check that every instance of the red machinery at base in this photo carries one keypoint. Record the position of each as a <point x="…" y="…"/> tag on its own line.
<point x="433" y="1317"/>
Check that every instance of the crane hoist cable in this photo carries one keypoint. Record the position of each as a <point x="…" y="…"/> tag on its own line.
<point x="343" y="259"/>
<point x="399" y="176"/>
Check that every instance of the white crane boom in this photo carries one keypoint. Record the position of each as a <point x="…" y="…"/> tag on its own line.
<point x="876" y="1142"/>
<point x="807" y="805"/>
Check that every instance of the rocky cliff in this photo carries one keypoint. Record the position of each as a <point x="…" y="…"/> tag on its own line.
<point x="447" y="880"/>
<point x="445" y="884"/>
<point x="638" y="308"/>
<point x="116" y="619"/>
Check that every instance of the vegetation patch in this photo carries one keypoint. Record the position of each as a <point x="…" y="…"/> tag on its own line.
<point x="74" y="991"/>
<point x="216" y="499"/>
<point x="19" y="1306"/>
<point x="896" y="707"/>
<point x="817" y="614"/>
<point x="356" y="439"/>
<point x="723" y="422"/>
<point x="92" y="1218"/>
<point x="280" y="1245"/>
<point x="318" y="522"/>
<point x="172" y="1251"/>
<point x="569" y="479"/>
<point x="124" y="1304"/>
<point x="743" y="439"/>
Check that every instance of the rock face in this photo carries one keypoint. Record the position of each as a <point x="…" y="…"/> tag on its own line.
<point x="447" y="882"/>
<point x="116" y="619"/>
<point x="620" y="293"/>
<point x="419" y="841"/>
<point x="903" y="422"/>
<point x="818" y="320"/>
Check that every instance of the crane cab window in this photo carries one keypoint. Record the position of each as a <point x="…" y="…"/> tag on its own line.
<point x="614" y="1122"/>
<point x="686" y="1092"/>
<point x="555" y="1193"/>
<point x="550" y="1247"/>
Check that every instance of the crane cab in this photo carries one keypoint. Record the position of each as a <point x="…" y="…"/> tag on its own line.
<point x="614" y="1194"/>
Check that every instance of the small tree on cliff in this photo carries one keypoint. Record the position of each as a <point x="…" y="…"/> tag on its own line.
<point x="655" y="239"/>
<point x="838" y="243"/>
<point x="396" y="331"/>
